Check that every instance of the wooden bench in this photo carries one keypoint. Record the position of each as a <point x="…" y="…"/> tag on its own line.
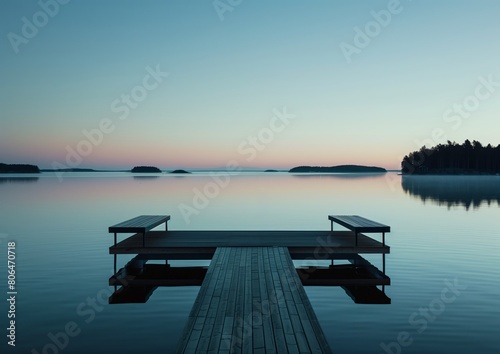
<point x="359" y="224"/>
<point x="140" y="224"/>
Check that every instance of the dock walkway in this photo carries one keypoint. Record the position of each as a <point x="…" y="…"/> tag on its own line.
<point x="252" y="301"/>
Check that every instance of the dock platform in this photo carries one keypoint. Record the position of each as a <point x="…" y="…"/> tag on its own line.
<point x="208" y="240"/>
<point x="252" y="298"/>
<point x="252" y="301"/>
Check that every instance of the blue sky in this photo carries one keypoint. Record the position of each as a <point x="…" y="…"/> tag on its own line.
<point x="427" y="74"/>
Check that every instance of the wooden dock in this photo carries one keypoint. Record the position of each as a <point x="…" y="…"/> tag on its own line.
<point x="252" y="301"/>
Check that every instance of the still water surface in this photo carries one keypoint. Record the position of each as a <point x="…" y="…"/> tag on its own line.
<point x="444" y="263"/>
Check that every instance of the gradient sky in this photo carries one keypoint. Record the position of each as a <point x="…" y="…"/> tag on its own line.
<point x="228" y="78"/>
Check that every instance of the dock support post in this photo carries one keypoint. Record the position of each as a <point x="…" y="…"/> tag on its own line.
<point x="383" y="239"/>
<point x="115" y="238"/>
<point x="331" y="225"/>
<point x="356" y="239"/>
<point x="383" y="263"/>
<point x="114" y="269"/>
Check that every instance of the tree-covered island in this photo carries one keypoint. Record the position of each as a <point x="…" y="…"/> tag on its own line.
<point x="453" y="159"/>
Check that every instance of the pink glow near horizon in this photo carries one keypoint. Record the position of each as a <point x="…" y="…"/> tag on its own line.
<point x="129" y="157"/>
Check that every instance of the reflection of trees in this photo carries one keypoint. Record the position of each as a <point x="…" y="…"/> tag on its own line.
<point x="18" y="179"/>
<point x="454" y="190"/>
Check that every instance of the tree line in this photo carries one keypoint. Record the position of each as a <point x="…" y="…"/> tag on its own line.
<point x="453" y="158"/>
<point x="18" y="168"/>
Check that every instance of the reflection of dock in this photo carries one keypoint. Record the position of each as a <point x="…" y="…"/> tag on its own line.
<point x="251" y="297"/>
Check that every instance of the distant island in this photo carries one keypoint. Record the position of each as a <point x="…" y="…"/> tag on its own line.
<point x="271" y="171"/>
<point x="71" y="170"/>
<point x="338" y="169"/>
<point x="453" y="159"/>
<point x="145" y="169"/>
<point x="18" y="168"/>
<point x="180" y="171"/>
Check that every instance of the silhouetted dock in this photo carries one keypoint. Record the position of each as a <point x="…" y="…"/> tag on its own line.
<point x="252" y="299"/>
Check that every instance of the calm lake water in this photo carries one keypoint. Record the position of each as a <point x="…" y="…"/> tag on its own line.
<point x="444" y="263"/>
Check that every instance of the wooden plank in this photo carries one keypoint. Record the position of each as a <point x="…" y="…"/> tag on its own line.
<point x="252" y="300"/>
<point x="142" y="224"/>
<point x="258" y="342"/>
<point x="228" y="317"/>
<point x="284" y="276"/>
<point x="276" y="295"/>
<point x="236" y="332"/>
<point x="247" y="304"/>
<point x="267" y="326"/>
<point x="359" y="224"/>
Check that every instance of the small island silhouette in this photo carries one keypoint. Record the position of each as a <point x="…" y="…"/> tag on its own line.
<point x="338" y="169"/>
<point x="18" y="168"/>
<point x="180" y="171"/>
<point x="145" y="169"/>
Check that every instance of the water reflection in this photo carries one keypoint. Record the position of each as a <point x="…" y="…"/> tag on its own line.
<point x="18" y="179"/>
<point x="339" y="175"/>
<point x="138" y="279"/>
<point x="451" y="191"/>
<point x="145" y="177"/>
